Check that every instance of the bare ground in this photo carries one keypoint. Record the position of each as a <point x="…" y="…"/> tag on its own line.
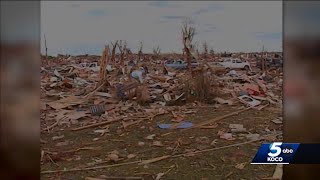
<point x="215" y="164"/>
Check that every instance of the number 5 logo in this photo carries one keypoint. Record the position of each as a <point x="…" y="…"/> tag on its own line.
<point x="275" y="149"/>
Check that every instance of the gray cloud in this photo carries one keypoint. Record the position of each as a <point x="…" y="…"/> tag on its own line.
<point x="200" y="11"/>
<point x="275" y="35"/>
<point x="75" y="5"/>
<point x="174" y="17"/>
<point x="97" y="12"/>
<point x="209" y="8"/>
<point x="226" y="26"/>
<point x="162" y="4"/>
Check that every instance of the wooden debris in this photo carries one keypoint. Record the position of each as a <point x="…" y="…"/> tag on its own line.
<point x="103" y="94"/>
<point x="229" y="174"/>
<point x="222" y="101"/>
<point x="209" y="127"/>
<point x="65" y="102"/>
<point x="91" y="178"/>
<point x="80" y="149"/>
<point x="127" y="124"/>
<point x="278" y="172"/>
<point x="113" y="157"/>
<point x="57" y="137"/>
<point x="237" y="128"/>
<point x="53" y="125"/>
<point x="130" y="156"/>
<point x="218" y="118"/>
<point x="95" y="90"/>
<point x="95" y="125"/>
<point x="241" y="166"/>
<point x="115" y="177"/>
<point x="154" y="160"/>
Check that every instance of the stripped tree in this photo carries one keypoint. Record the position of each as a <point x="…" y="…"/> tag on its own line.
<point x="211" y="52"/>
<point x="140" y="54"/>
<point x="128" y="54"/>
<point x="205" y="50"/>
<point x="195" y="50"/>
<point x="103" y="64"/>
<point x="113" y="54"/>
<point x="183" y="53"/>
<point x="122" y="48"/>
<point x="45" y="45"/>
<point x="188" y="31"/>
<point x="156" y="52"/>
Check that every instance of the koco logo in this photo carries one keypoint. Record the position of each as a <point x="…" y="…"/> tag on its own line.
<point x="275" y="150"/>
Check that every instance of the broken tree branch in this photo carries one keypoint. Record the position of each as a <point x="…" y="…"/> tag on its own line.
<point x="154" y="160"/>
<point x="95" y="90"/>
<point x="91" y="168"/>
<point x="53" y="125"/>
<point x="122" y="48"/>
<point x="224" y="147"/>
<point x="218" y="118"/>
<point x="96" y="124"/>
<point x="113" y="53"/>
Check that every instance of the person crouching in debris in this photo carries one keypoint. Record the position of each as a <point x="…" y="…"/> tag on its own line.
<point x="139" y="74"/>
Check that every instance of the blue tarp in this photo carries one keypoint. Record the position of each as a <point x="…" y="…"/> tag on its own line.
<point x="182" y="125"/>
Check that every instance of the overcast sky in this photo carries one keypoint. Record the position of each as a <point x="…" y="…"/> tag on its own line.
<point x="84" y="27"/>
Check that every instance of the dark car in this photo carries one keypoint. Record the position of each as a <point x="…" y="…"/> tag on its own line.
<point x="270" y="63"/>
<point x="180" y="64"/>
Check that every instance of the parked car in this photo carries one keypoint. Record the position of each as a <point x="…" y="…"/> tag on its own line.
<point x="271" y="62"/>
<point x="180" y="64"/>
<point x="94" y="66"/>
<point x="235" y="63"/>
<point x="194" y="63"/>
<point x="215" y="64"/>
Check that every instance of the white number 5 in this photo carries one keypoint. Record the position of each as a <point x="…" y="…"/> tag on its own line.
<point x="275" y="146"/>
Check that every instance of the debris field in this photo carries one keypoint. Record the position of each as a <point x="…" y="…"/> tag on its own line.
<point x="103" y="121"/>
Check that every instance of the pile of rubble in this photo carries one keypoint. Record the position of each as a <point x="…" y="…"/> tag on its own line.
<point x="70" y="93"/>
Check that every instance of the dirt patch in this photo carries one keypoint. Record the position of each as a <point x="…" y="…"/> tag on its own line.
<point x="218" y="164"/>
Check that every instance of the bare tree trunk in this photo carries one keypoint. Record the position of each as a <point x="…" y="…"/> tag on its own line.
<point x="156" y="52"/>
<point x="45" y="45"/>
<point x="140" y="54"/>
<point x="205" y="49"/>
<point x="122" y="48"/>
<point x="183" y="53"/>
<point x="122" y="59"/>
<point x="105" y="55"/>
<point x="113" y="54"/>
<point x="139" y="57"/>
<point x="188" y="56"/>
<point x="187" y="32"/>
